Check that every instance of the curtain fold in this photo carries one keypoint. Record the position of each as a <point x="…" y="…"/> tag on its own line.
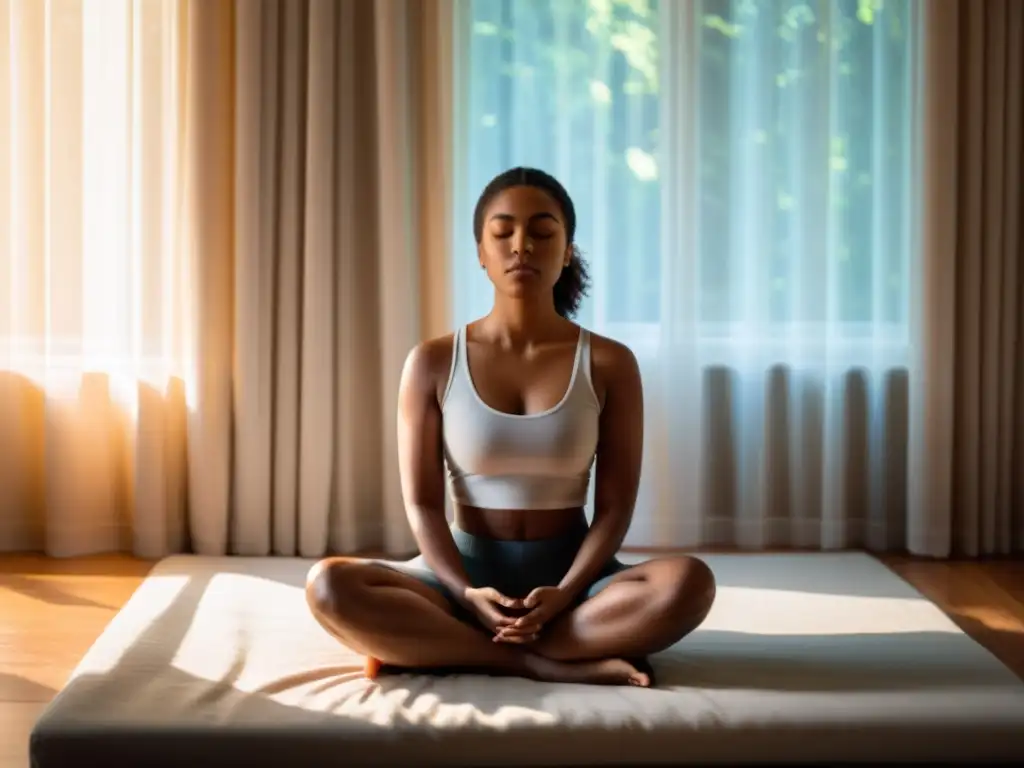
<point x="968" y="493"/>
<point x="988" y="486"/>
<point x="215" y="274"/>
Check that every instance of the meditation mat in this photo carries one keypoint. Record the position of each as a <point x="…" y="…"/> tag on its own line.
<point x="805" y="657"/>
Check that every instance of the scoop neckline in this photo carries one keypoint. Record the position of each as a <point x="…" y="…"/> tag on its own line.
<point x="464" y="351"/>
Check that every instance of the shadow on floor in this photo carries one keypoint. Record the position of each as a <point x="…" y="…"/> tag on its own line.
<point x="48" y="592"/>
<point x="18" y="688"/>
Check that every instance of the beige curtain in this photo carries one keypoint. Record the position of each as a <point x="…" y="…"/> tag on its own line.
<point x="967" y="406"/>
<point x="222" y="227"/>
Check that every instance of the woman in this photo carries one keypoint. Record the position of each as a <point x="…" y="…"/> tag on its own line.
<point x="518" y="405"/>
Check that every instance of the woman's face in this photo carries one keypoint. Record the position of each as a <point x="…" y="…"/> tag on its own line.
<point x="524" y="245"/>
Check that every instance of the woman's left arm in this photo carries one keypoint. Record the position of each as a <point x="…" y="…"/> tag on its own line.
<point x="619" y="455"/>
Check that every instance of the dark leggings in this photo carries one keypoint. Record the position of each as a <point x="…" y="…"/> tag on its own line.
<point x="514" y="568"/>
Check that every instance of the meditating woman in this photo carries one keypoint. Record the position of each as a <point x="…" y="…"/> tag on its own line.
<point x="518" y="406"/>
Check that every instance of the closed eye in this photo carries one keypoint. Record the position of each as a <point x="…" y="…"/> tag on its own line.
<point x="533" y="235"/>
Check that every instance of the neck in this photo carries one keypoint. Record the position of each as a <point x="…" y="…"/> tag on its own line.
<point x="523" y="318"/>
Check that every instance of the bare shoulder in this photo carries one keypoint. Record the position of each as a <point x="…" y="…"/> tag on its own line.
<point x="613" y="365"/>
<point x="428" y="363"/>
<point x="611" y="358"/>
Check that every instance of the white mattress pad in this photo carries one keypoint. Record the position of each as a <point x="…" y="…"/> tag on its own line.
<point x="804" y="657"/>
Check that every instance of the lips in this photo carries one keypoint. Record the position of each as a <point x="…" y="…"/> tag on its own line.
<point x="521" y="269"/>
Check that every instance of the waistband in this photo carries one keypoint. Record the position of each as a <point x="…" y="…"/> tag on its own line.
<point x="534" y="549"/>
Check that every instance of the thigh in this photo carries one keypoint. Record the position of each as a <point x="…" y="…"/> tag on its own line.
<point x="671" y="572"/>
<point x="334" y="580"/>
<point x="417" y="576"/>
<point x="614" y="571"/>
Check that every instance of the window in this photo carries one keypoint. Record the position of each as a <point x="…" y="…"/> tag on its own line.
<point x="797" y="115"/>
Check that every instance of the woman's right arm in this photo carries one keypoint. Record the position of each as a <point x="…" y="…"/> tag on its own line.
<point x="421" y="462"/>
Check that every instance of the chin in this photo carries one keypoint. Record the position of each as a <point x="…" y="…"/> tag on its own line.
<point x="522" y="289"/>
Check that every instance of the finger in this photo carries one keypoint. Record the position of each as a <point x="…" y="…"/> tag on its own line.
<point x="537" y="616"/>
<point x="495" y="619"/>
<point x="496" y="597"/>
<point x="505" y="637"/>
<point x="524" y="629"/>
<point x="531" y="629"/>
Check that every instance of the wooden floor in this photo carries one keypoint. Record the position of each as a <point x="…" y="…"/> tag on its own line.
<point x="52" y="610"/>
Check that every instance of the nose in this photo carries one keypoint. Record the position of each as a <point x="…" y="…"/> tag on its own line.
<point x="521" y="244"/>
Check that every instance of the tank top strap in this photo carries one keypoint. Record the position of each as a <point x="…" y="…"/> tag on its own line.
<point x="585" y="351"/>
<point x="458" y="356"/>
<point x="584" y="376"/>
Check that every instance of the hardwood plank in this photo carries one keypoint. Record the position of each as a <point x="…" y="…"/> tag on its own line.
<point x="114" y="565"/>
<point x="51" y="611"/>
<point x="18" y="718"/>
<point x="984" y="598"/>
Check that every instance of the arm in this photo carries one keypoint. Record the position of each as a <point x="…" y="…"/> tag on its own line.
<point x="619" y="455"/>
<point x="421" y="464"/>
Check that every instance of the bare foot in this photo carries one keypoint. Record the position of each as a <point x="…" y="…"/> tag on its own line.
<point x="603" y="672"/>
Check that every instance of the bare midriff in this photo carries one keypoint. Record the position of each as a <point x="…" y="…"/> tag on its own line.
<point x="517" y="524"/>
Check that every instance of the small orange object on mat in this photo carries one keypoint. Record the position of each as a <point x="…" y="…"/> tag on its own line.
<point x="372" y="668"/>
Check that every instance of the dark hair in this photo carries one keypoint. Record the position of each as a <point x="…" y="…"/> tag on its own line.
<point x="574" y="281"/>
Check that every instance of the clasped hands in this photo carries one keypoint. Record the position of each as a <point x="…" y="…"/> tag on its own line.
<point x="513" y="620"/>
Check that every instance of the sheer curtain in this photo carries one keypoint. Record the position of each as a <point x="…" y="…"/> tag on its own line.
<point x="215" y="218"/>
<point x="744" y="176"/>
<point x="93" y="299"/>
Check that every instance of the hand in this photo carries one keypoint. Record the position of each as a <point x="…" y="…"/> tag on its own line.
<point x="486" y="603"/>
<point x="543" y="604"/>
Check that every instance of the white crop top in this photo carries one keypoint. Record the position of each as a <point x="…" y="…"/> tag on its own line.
<point x="499" y="460"/>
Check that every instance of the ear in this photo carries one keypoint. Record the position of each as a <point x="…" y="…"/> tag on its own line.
<point x="569" y="253"/>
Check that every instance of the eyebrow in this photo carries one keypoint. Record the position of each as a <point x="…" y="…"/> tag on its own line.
<point x="535" y="217"/>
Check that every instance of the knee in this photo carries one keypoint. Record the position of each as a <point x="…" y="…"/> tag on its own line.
<point x="689" y="590"/>
<point x="334" y="582"/>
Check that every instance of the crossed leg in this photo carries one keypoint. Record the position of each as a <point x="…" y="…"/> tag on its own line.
<point x="638" y="611"/>
<point x="394" y="619"/>
<point x="390" y="616"/>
